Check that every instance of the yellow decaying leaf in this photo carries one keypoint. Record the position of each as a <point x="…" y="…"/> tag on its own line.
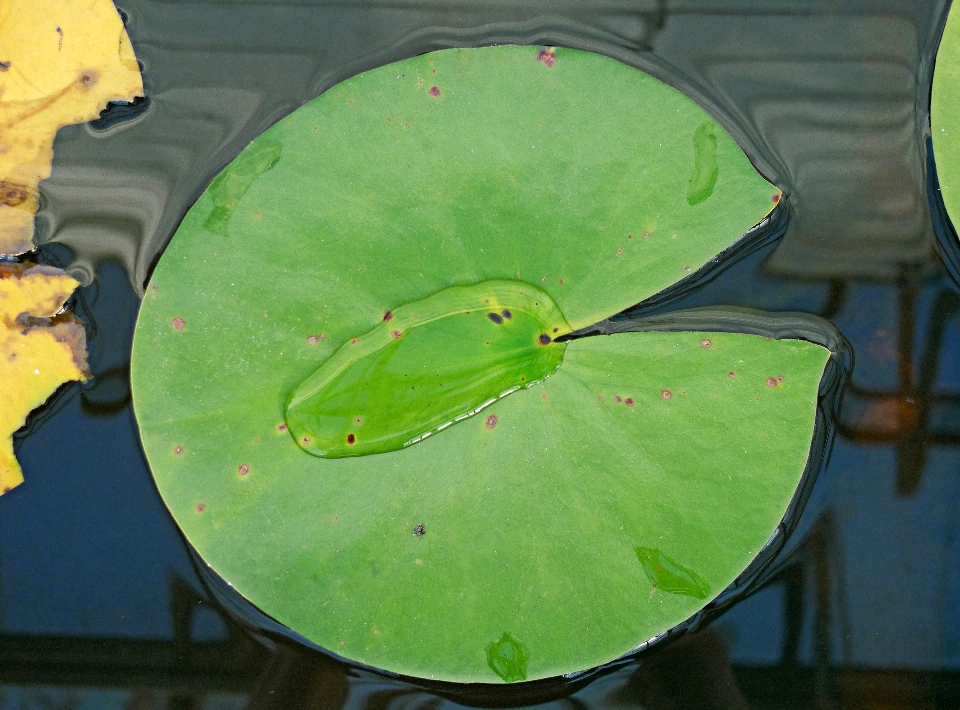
<point x="61" y="62"/>
<point x="36" y="357"/>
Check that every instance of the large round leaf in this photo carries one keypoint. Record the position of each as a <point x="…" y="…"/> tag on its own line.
<point x="573" y="519"/>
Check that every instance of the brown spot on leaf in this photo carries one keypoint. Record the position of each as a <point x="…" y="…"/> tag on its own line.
<point x="243" y="469"/>
<point x="351" y="439"/>
<point x="619" y="250"/>
<point x="779" y="378"/>
<point x="4" y="66"/>
<point x="491" y="421"/>
<point x="732" y="373"/>
<point x="395" y="334"/>
<point x="178" y="449"/>
<point x="420" y="529"/>
<point x="618" y="399"/>
<point x="177" y="323"/>
<point x="705" y="343"/>
<point x="281" y="427"/>
<point x="353" y="341"/>
<point x="775" y="198"/>
<point x="387" y="316"/>
<point x="666" y="394"/>
<point x="87" y="79"/>
<point x="201" y="507"/>
<point x="305" y="440"/>
<point x="771" y="382"/>
<point x="12" y="195"/>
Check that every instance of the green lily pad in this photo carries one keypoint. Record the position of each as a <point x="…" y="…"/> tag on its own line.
<point x="945" y="113"/>
<point x="615" y="492"/>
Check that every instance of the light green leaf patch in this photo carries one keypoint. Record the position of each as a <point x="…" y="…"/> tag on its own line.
<point x="570" y="520"/>
<point x="945" y="114"/>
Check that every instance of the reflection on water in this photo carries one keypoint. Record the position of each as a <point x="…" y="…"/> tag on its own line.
<point x="99" y="603"/>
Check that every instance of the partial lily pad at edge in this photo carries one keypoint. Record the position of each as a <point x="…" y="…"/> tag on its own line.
<point x="943" y="169"/>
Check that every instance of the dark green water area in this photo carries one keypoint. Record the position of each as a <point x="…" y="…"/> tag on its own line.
<point x="857" y="600"/>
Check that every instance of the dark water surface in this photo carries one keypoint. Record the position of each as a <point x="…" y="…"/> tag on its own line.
<point x="99" y="603"/>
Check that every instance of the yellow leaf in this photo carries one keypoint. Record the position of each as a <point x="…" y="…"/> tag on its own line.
<point x="61" y="62"/>
<point x="35" y="357"/>
<point x="37" y="291"/>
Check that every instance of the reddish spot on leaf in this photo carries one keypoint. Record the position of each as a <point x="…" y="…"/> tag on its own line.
<point x="491" y="421"/>
<point x="666" y="394"/>
<point x="281" y="427"/>
<point x="387" y="315"/>
<point x="771" y="382"/>
<point x="177" y="323"/>
<point x="395" y="334"/>
<point x="618" y="399"/>
<point x="775" y="198"/>
<point x="547" y="56"/>
<point x="351" y="439"/>
<point x="434" y="91"/>
<point x="201" y="507"/>
<point x="629" y="401"/>
<point x="243" y="469"/>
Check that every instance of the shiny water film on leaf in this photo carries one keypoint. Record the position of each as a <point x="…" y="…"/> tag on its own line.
<point x="427" y="366"/>
<point x="470" y="174"/>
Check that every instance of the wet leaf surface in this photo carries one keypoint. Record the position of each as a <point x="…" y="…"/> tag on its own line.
<point x="61" y="62"/>
<point x="566" y="171"/>
<point x="36" y="355"/>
